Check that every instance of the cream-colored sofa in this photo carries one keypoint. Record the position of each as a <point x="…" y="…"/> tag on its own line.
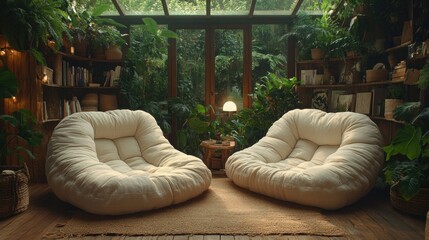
<point x="310" y="157"/>
<point x="119" y="162"/>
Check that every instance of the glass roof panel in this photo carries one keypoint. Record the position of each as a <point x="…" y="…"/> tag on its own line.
<point x="142" y="7"/>
<point x="274" y="7"/>
<point x="312" y="7"/>
<point x="229" y="7"/>
<point x="186" y="7"/>
<point x="111" y="11"/>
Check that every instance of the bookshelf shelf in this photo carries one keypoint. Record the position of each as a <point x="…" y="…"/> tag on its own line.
<point x="351" y="84"/>
<point x="76" y="79"/>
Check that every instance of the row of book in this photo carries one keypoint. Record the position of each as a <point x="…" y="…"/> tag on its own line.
<point x="67" y="74"/>
<point x="66" y="107"/>
<point x="370" y="103"/>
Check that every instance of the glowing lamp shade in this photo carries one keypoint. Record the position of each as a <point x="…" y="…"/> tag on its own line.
<point x="229" y="106"/>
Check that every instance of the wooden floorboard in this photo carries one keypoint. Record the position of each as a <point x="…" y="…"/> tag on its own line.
<point x="370" y="218"/>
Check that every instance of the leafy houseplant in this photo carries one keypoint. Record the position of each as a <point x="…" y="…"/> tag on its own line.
<point x="407" y="168"/>
<point x="88" y="26"/>
<point x="29" y="24"/>
<point x="272" y="97"/>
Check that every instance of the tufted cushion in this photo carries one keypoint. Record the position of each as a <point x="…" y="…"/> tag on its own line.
<point x="119" y="162"/>
<point x="327" y="160"/>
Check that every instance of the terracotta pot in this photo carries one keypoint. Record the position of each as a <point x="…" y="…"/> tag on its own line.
<point x="108" y="102"/>
<point x="66" y="45"/>
<point x="99" y="52"/>
<point x="317" y="53"/>
<point x="113" y="52"/>
<point x="80" y="47"/>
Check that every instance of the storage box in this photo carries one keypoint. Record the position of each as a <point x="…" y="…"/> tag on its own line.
<point x="376" y="75"/>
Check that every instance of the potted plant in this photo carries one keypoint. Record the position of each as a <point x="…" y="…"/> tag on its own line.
<point x="395" y="98"/>
<point x="407" y="157"/>
<point x="17" y="135"/>
<point x="90" y="29"/>
<point x="312" y="35"/>
<point x="107" y="41"/>
<point x="29" y="24"/>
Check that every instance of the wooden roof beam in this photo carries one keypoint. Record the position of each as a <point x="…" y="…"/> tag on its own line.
<point x="118" y="7"/>
<point x="165" y="7"/>
<point x="297" y="6"/>
<point x="252" y="8"/>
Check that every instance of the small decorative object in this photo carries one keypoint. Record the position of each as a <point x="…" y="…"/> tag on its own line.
<point x="320" y="99"/>
<point x="377" y="74"/>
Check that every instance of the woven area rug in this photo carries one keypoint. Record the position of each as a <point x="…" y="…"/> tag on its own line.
<point x="224" y="209"/>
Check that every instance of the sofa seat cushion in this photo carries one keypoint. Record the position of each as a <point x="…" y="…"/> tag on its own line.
<point x="119" y="162"/>
<point x="327" y="160"/>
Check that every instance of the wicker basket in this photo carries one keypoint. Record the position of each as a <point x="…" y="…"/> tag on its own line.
<point x="418" y="205"/>
<point x="14" y="196"/>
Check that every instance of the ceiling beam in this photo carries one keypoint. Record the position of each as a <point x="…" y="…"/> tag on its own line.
<point x="252" y="7"/>
<point x="118" y="7"/>
<point x="338" y="7"/>
<point x="208" y="8"/>
<point x="165" y="7"/>
<point x="214" y="19"/>
<point x="297" y="6"/>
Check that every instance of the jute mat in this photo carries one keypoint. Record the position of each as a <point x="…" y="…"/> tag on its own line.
<point x="224" y="209"/>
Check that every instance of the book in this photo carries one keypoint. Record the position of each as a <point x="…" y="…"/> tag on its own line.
<point x="377" y="106"/>
<point x="345" y="103"/>
<point x="308" y="76"/>
<point x="45" y="112"/>
<point x="334" y="99"/>
<point x="363" y="102"/>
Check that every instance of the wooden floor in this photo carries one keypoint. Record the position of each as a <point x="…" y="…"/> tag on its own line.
<point x="370" y="218"/>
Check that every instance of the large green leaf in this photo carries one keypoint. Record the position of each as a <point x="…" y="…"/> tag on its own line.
<point x="406" y="142"/>
<point x="409" y="186"/>
<point x="199" y="126"/>
<point x="151" y="25"/>
<point x="8" y="83"/>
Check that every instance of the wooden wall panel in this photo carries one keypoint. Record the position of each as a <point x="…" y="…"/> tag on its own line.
<point x="29" y="97"/>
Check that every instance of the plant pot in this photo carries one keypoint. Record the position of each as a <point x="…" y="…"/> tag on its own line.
<point x="418" y="205"/>
<point x="108" y="102"/>
<point x="66" y="45"/>
<point x="390" y="105"/>
<point x="99" y="52"/>
<point x="113" y="52"/>
<point x="317" y="53"/>
<point x="14" y="195"/>
<point x="80" y="47"/>
<point x="351" y="53"/>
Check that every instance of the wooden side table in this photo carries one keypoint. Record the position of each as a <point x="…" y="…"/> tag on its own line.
<point x="213" y="151"/>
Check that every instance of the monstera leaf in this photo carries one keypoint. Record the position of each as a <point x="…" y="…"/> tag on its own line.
<point x="406" y="142"/>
